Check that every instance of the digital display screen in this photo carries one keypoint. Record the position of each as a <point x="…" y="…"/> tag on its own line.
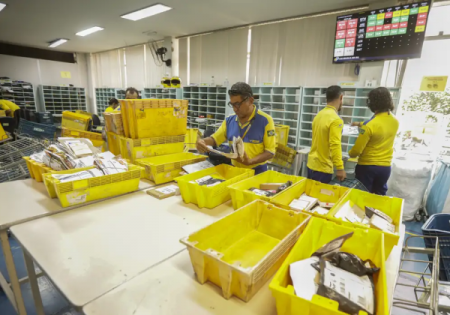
<point x="397" y="32"/>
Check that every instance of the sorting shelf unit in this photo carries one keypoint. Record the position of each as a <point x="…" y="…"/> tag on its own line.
<point x="162" y="93"/>
<point x="57" y="99"/>
<point x="354" y="110"/>
<point x="207" y="106"/>
<point x="283" y="104"/>
<point x="102" y="97"/>
<point x="19" y="92"/>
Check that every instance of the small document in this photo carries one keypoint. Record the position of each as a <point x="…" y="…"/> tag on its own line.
<point x="192" y="168"/>
<point x="350" y="131"/>
<point x="238" y="149"/>
<point x="303" y="277"/>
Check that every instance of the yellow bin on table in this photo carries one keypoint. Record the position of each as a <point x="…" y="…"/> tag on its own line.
<point x="49" y="180"/>
<point x="86" y="190"/>
<point x="241" y="251"/>
<point x="312" y="188"/>
<point x="113" y="143"/>
<point x="240" y="195"/>
<point x="96" y="138"/>
<point x="164" y="168"/>
<point x="133" y="149"/>
<point x="366" y="244"/>
<point x="211" y="197"/>
<point x="36" y="169"/>
<point x="391" y="206"/>
<point x="149" y="118"/>
<point x="75" y="121"/>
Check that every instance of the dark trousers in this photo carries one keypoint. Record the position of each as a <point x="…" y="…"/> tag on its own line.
<point x="260" y="169"/>
<point x="373" y="177"/>
<point x="319" y="176"/>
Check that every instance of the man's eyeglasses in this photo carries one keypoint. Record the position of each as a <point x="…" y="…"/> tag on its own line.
<point x="237" y="104"/>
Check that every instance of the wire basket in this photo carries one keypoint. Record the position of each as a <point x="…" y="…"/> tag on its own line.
<point x="349" y="183"/>
<point x="19" y="171"/>
<point x="35" y="130"/>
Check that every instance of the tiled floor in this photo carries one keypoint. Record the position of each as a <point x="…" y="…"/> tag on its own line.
<point x="55" y="304"/>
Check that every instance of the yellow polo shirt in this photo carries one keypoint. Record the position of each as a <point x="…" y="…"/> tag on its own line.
<point x="260" y="136"/>
<point x="109" y="110"/>
<point x="375" y="143"/>
<point x="326" y="149"/>
<point x="8" y="105"/>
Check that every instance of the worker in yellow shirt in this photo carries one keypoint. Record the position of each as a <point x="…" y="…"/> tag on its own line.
<point x="375" y="143"/>
<point x="113" y="105"/>
<point x="255" y="127"/>
<point x="9" y="107"/>
<point x="326" y="149"/>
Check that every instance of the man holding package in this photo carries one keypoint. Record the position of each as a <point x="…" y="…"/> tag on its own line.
<point x="252" y="125"/>
<point x="326" y="149"/>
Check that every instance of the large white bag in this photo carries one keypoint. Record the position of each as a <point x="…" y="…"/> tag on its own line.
<point x="409" y="180"/>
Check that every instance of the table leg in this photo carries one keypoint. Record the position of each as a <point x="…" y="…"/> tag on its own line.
<point x="15" y="296"/>
<point x="33" y="283"/>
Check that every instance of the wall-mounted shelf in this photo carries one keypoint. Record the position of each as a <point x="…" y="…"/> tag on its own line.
<point x="282" y="103"/>
<point x="162" y="93"/>
<point x="57" y="99"/>
<point x="19" y="92"/>
<point x="354" y="110"/>
<point x="209" y="103"/>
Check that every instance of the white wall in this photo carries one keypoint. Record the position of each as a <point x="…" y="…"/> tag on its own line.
<point x="38" y="72"/>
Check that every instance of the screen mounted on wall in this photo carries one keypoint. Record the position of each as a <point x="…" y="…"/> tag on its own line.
<point x="396" y="32"/>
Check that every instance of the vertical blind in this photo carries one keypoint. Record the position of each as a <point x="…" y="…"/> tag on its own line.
<point x="135" y="66"/>
<point x="107" y="69"/>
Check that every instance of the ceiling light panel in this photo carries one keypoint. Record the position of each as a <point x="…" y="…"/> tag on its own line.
<point x="89" y="31"/>
<point x="57" y="42"/>
<point x="2" y="6"/>
<point x="144" y="13"/>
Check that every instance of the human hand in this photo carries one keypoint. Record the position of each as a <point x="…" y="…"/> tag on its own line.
<point x="245" y="159"/>
<point x="340" y="174"/>
<point x="201" y="146"/>
<point x="356" y="124"/>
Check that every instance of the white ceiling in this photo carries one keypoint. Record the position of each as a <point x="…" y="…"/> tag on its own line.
<point x="36" y="22"/>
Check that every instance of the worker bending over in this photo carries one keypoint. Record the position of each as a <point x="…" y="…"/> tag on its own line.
<point x="326" y="149"/>
<point x="255" y="127"/>
<point x="9" y="107"/>
<point x="113" y="106"/>
<point x="375" y="143"/>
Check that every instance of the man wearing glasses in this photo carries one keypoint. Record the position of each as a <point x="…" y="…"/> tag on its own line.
<point x="255" y="127"/>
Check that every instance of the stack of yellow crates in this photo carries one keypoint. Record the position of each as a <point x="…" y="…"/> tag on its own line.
<point x="114" y="130"/>
<point x="155" y="128"/>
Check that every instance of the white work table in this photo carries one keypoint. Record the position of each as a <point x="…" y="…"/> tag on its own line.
<point x="87" y="252"/>
<point x="22" y="201"/>
<point x="171" y="288"/>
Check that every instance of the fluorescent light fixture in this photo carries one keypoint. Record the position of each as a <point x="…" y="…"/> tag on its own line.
<point x="144" y="13"/>
<point x="57" y="42"/>
<point x="89" y="31"/>
<point x="2" y="6"/>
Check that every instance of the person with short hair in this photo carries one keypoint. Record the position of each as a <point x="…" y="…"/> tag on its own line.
<point x="375" y="143"/>
<point x="132" y="94"/>
<point x="326" y="149"/>
<point x="255" y="127"/>
<point x="113" y="106"/>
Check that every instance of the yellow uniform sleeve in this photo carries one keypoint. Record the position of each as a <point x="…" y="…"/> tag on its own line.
<point x="109" y="110"/>
<point x="270" y="139"/>
<point x="220" y="136"/>
<point x="364" y="136"/>
<point x="335" y="143"/>
<point x="4" y="106"/>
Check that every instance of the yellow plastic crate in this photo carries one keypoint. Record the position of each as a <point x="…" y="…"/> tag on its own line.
<point x="86" y="190"/>
<point x="113" y="143"/>
<point x="49" y="181"/>
<point x="75" y="121"/>
<point x="164" y="168"/>
<point x="191" y="138"/>
<point x="211" y="197"/>
<point x="284" y="156"/>
<point x="96" y="138"/>
<point x="133" y="149"/>
<point x="364" y="243"/>
<point x="114" y="123"/>
<point x="240" y="195"/>
<point x="240" y="252"/>
<point x="282" y="132"/>
<point x="312" y="188"/>
<point x="36" y="169"/>
<point x="155" y="118"/>
<point x="392" y="206"/>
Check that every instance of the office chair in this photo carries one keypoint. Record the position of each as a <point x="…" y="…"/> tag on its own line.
<point x="96" y="123"/>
